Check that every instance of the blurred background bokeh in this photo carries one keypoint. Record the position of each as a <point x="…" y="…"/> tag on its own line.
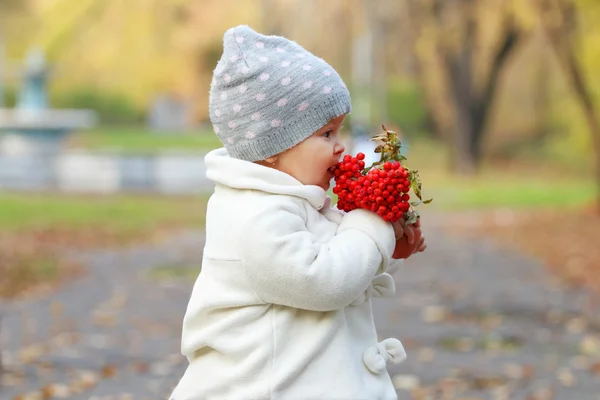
<point x="104" y="120"/>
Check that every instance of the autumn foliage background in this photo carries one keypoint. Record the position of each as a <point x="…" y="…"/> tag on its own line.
<point x="497" y="102"/>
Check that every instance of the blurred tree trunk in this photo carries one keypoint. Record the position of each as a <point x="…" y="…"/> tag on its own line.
<point x="2" y="70"/>
<point x="7" y="10"/>
<point x="558" y="22"/>
<point x="446" y="36"/>
<point x="1" y="358"/>
<point x="439" y="114"/>
<point x="376" y="26"/>
<point x="10" y="6"/>
<point x="541" y="99"/>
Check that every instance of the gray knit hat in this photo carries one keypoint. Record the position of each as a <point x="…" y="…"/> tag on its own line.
<point x="269" y="94"/>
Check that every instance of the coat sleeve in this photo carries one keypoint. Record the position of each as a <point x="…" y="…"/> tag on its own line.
<point x="286" y="264"/>
<point x="394" y="265"/>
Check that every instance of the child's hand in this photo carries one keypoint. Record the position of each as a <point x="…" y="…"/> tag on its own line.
<point x="402" y="229"/>
<point x="409" y="239"/>
<point x="421" y="246"/>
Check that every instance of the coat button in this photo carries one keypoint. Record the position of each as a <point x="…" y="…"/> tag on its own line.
<point x="388" y="350"/>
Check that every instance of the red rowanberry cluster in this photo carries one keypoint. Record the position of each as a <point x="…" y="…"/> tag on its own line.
<point x="381" y="190"/>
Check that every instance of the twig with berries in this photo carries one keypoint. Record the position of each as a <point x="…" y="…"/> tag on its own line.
<point x="384" y="186"/>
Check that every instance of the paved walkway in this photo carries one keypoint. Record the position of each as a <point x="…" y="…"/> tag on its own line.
<point x="478" y="323"/>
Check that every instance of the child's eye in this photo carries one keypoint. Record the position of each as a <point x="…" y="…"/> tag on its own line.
<point x="328" y="133"/>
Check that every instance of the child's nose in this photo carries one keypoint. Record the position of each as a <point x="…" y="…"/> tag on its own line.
<point x="339" y="148"/>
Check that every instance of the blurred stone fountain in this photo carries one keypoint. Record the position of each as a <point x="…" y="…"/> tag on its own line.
<point x="32" y="155"/>
<point x="32" y="126"/>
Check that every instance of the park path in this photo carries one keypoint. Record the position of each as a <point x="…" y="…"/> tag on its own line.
<point x="478" y="323"/>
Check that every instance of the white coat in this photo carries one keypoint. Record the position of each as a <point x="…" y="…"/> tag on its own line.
<point x="282" y="307"/>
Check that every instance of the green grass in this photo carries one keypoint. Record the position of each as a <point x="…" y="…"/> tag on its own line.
<point x="141" y="140"/>
<point x="490" y="191"/>
<point x="117" y="213"/>
<point x="522" y="183"/>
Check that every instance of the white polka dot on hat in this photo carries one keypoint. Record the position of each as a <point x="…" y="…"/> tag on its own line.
<point x="269" y="94"/>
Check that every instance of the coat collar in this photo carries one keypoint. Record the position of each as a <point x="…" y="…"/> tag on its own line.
<point x="225" y="170"/>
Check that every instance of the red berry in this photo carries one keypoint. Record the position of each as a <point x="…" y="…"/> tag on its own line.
<point x="405" y="197"/>
<point x="347" y="158"/>
<point x="360" y="156"/>
<point x="387" y="165"/>
<point x="390" y="216"/>
<point x="361" y="164"/>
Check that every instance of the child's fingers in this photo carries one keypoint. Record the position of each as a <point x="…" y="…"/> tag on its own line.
<point x="410" y="234"/>
<point x="398" y="230"/>
<point x="422" y="245"/>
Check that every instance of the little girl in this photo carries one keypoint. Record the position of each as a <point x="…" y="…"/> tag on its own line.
<point x="282" y="307"/>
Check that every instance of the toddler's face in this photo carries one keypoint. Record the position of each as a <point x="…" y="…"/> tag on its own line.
<point x="311" y="160"/>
